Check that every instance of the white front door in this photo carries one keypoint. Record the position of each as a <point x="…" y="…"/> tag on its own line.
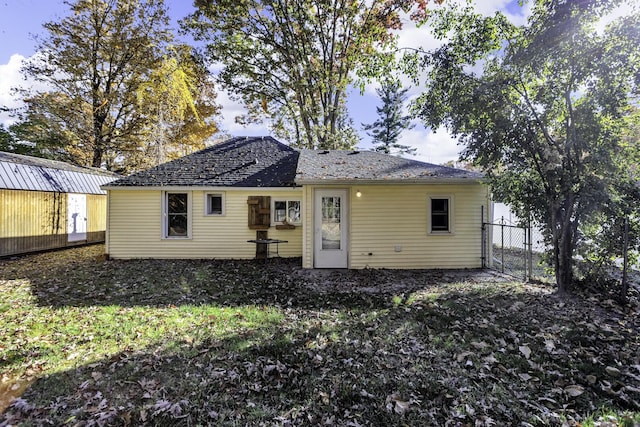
<point x="330" y="223"/>
<point x="77" y="217"/>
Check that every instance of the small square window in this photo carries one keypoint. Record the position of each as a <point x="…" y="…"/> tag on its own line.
<point x="293" y="211"/>
<point x="214" y="204"/>
<point x="280" y="211"/>
<point x="286" y="211"/>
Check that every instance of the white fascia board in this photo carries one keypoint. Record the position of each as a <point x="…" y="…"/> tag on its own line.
<point x="200" y="188"/>
<point x="433" y="181"/>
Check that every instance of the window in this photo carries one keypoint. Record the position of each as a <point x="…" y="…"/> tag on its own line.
<point x="214" y="204"/>
<point x="176" y="215"/>
<point x="440" y="215"/>
<point x="286" y="211"/>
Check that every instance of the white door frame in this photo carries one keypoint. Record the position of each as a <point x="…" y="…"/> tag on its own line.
<point x="331" y="253"/>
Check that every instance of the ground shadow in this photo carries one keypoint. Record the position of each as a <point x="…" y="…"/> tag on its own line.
<point x="82" y="277"/>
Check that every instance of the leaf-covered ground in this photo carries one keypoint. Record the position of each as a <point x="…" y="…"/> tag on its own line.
<point x="85" y="341"/>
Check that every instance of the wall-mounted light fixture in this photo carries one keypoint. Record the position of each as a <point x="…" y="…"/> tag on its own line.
<point x="358" y="193"/>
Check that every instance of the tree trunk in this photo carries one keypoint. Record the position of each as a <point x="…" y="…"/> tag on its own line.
<point x="563" y="242"/>
<point x="97" y="158"/>
<point x="564" y="270"/>
<point x="98" y="143"/>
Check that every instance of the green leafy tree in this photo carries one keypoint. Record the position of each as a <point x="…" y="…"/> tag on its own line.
<point x="292" y="61"/>
<point x="391" y="121"/>
<point x="546" y="117"/>
<point x="179" y="96"/>
<point x="40" y="127"/>
<point x="93" y="63"/>
<point x="6" y="139"/>
<point x="603" y="233"/>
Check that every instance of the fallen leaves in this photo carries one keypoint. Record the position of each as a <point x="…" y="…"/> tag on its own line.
<point x="525" y="350"/>
<point x="614" y="372"/>
<point x="574" y="390"/>
<point x="396" y="404"/>
<point x="242" y="343"/>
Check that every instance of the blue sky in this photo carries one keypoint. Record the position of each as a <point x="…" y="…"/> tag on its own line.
<point x="21" y="20"/>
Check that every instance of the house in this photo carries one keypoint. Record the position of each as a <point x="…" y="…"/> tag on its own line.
<point x="46" y="204"/>
<point x="334" y="209"/>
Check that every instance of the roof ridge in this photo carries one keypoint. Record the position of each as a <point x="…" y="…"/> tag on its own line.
<point x="349" y="165"/>
<point x="52" y="164"/>
<point x="252" y="161"/>
<point x="384" y="156"/>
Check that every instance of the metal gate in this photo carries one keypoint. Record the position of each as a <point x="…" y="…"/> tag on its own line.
<point x="507" y="248"/>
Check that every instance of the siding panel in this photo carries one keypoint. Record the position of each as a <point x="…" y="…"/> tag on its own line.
<point x="390" y="223"/>
<point x="389" y="227"/>
<point x="37" y="220"/>
<point x="135" y="227"/>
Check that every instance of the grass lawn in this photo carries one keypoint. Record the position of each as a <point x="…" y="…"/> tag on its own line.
<point x="90" y="342"/>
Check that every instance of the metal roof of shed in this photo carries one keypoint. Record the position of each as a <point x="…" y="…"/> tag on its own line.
<point x="19" y="172"/>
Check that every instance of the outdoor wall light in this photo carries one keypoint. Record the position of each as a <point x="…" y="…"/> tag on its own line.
<point x="358" y="193"/>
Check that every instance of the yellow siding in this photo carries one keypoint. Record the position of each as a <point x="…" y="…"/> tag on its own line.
<point x="96" y="213"/>
<point x="37" y="220"/>
<point x="307" y="204"/>
<point x="135" y="227"/>
<point x="390" y="223"/>
<point x="32" y="213"/>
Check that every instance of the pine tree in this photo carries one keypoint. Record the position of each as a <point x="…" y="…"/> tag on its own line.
<point x="391" y="122"/>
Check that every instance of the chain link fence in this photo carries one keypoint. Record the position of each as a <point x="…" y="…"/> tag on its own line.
<point x="505" y="248"/>
<point x="513" y="249"/>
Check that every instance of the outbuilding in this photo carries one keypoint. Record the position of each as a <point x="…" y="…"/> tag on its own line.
<point x="47" y="204"/>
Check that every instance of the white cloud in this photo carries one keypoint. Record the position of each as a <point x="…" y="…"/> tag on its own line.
<point x="432" y="147"/>
<point x="10" y="78"/>
<point x="232" y="109"/>
<point x="439" y="147"/>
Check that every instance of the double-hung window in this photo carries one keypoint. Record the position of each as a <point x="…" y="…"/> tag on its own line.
<point x="286" y="211"/>
<point x="176" y="215"/>
<point x="440" y="214"/>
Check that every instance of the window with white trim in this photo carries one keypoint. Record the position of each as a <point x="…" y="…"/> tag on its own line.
<point x="175" y="207"/>
<point x="440" y="214"/>
<point x="286" y="211"/>
<point x="214" y="204"/>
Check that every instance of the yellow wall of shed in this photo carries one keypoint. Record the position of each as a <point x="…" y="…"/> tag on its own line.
<point x="32" y="213"/>
<point x="37" y="220"/>
<point x="96" y="213"/>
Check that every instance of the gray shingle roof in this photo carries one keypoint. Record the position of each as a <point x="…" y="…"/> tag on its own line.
<point x="237" y="162"/>
<point x="339" y="165"/>
<point x="18" y="172"/>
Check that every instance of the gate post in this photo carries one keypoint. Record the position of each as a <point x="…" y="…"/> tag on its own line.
<point x="530" y="251"/>
<point x="483" y="250"/>
<point x="502" y="245"/>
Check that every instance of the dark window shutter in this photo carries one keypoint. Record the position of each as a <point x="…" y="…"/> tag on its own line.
<point x="259" y="212"/>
